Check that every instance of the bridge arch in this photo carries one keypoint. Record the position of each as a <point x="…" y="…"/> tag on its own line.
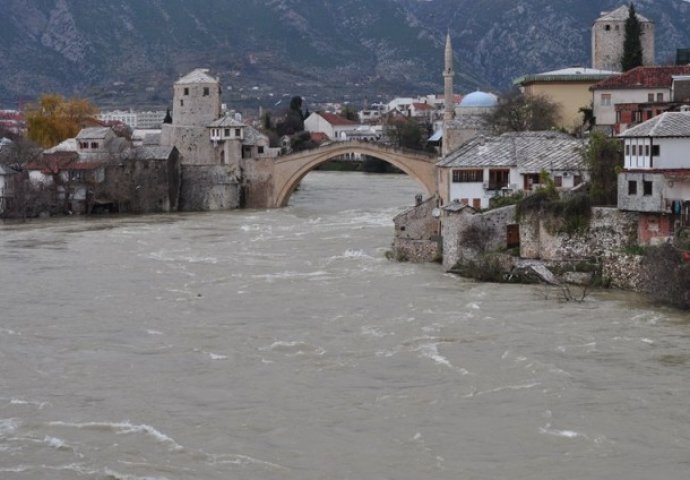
<point x="289" y="170"/>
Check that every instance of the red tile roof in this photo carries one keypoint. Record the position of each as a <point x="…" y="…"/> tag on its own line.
<point x="334" y="119"/>
<point x="319" y="137"/>
<point x="643" y="77"/>
<point x="422" y="106"/>
<point x="53" y="163"/>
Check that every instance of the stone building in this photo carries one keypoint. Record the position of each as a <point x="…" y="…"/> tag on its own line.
<point x="486" y="167"/>
<point x="608" y="34"/>
<point x="196" y="105"/>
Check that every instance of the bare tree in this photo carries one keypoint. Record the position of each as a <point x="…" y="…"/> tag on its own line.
<point x="517" y="112"/>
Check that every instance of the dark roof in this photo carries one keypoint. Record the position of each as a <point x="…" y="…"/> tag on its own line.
<point x="643" y="77"/>
<point x="529" y="152"/>
<point x="621" y="14"/>
<point x="668" y="124"/>
<point x="53" y="163"/>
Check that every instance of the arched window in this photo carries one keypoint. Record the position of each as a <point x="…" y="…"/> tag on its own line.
<point x="222" y="157"/>
<point x="607" y="27"/>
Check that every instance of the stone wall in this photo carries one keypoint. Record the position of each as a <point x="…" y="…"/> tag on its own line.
<point x="467" y="235"/>
<point x="610" y="230"/>
<point x="623" y="271"/>
<point x="208" y="187"/>
<point x="139" y="185"/>
<point x="417" y="233"/>
<point x="193" y="143"/>
<point x="257" y="182"/>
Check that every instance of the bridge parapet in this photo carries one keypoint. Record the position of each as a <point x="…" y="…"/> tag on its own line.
<point x="360" y="146"/>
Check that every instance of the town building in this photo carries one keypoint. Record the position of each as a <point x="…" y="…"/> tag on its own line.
<point x="196" y="105"/>
<point x="99" y="171"/>
<point x="334" y="126"/>
<point x="655" y="180"/>
<point x="608" y="35"/>
<point x="569" y="88"/>
<point x="631" y="114"/>
<point x="486" y="167"/>
<point x="636" y="86"/>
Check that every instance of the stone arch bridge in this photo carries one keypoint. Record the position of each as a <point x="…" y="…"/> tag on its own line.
<point x="283" y="174"/>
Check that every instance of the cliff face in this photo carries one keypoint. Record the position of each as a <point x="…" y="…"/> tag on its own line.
<point x="130" y="51"/>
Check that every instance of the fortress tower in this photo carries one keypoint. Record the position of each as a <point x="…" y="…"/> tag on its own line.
<point x="196" y="104"/>
<point x="608" y="34"/>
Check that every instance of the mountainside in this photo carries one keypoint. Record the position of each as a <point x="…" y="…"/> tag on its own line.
<point x="128" y="52"/>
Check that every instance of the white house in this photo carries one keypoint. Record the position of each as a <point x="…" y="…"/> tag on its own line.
<point x="486" y="167"/>
<point x="639" y="85"/>
<point x="656" y="175"/>
<point x="336" y="127"/>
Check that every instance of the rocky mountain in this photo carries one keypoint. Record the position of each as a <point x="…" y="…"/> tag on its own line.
<point x="128" y="52"/>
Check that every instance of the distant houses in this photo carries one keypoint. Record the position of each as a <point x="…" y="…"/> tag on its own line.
<point x="98" y="171"/>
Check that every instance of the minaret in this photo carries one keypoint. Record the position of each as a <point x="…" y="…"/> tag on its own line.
<point x="448" y="74"/>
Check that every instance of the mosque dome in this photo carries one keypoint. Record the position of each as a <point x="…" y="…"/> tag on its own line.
<point x="479" y="100"/>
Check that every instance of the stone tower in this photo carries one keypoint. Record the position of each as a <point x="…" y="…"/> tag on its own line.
<point x="196" y="99"/>
<point x="608" y="34"/>
<point x="196" y="104"/>
<point x="448" y="74"/>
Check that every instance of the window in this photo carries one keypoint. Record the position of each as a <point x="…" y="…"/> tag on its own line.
<point x="655" y="150"/>
<point x="181" y="103"/>
<point x="558" y="180"/>
<point x="468" y="176"/>
<point x="577" y="179"/>
<point x="632" y="187"/>
<point x="227" y="132"/>
<point x="650" y="97"/>
<point x="84" y="145"/>
<point x="607" y="27"/>
<point x="498" y="179"/>
<point x="94" y="144"/>
<point x="477" y="203"/>
<point x="627" y="149"/>
<point x="206" y="92"/>
<point x="634" y="150"/>
<point x="646" y="150"/>
<point x="186" y="90"/>
<point x="465" y="201"/>
<point x="659" y="97"/>
<point x="606" y="99"/>
<point x="238" y="132"/>
<point x="260" y="149"/>
<point x="646" y="187"/>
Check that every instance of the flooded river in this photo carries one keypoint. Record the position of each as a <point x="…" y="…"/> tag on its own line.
<point x="282" y="344"/>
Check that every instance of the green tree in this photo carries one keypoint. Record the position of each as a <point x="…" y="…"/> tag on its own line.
<point x="517" y="112"/>
<point x="293" y="122"/>
<point x="56" y="118"/>
<point x="604" y="157"/>
<point x="350" y="112"/>
<point x="632" y="44"/>
<point x="408" y="133"/>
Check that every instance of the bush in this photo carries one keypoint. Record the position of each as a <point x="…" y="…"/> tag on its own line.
<point x="569" y="215"/>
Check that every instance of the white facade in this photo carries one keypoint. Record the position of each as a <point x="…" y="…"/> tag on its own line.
<point x="479" y="193"/>
<point x="126" y="117"/>
<point x="338" y="130"/>
<point x="604" y="100"/>
<point x="656" y="177"/>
